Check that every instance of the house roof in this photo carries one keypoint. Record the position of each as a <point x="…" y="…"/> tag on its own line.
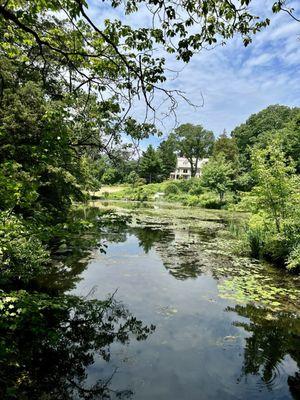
<point x="182" y="162"/>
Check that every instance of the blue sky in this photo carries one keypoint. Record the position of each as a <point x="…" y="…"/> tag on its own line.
<point x="234" y="81"/>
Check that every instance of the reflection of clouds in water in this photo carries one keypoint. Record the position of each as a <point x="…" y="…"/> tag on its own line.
<point x="201" y="347"/>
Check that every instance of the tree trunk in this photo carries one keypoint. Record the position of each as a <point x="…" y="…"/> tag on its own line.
<point x="192" y="167"/>
<point x="196" y="166"/>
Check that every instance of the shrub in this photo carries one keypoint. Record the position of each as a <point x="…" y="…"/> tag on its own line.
<point x="210" y="200"/>
<point x="274" y="228"/>
<point x="22" y="255"/>
<point x="171" y="188"/>
<point x="141" y="195"/>
<point x="196" y="188"/>
<point x="185" y="185"/>
<point x="293" y="261"/>
<point x="133" y="178"/>
<point x="192" y="201"/>
<point x="255" y="234"/>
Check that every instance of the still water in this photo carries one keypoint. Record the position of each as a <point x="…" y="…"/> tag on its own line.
<point x="226" y="327"/>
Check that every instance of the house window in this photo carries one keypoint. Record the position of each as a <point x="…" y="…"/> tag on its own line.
<point x="185" y="171"/>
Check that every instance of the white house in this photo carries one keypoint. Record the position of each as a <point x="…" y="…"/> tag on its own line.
<point x="183" y="168"/>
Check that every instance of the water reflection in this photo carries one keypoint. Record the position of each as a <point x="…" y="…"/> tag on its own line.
<point x="273" y="337"/>
<point x="48" y="343"/>
<point x="149" y="237"/>
<point x="66" y="347"/>
<point x="271" y="346"/>
<point x="179" y="251"/>
<point x="50" y="339"/>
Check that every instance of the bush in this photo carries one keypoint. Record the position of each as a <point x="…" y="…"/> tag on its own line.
<point x="192" y="201"/>
<point x="210" y="200"/>
<point x="171" y="188"/>
<point x="255" y="234"/>
<point x="133" y="178"/>
<point x="23" y="257"/>
<point x="196" y="188"/>
<point x="273" y="230"/>
<point x="185" y="185"/>
<point x="141" y="195"/>
<point x="293" y="261"/>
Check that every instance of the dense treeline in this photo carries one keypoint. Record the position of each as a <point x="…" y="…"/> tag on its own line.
<point x="255" y="169"/>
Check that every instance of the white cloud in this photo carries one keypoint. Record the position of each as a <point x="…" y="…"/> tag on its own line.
<point x="236" y="81"/>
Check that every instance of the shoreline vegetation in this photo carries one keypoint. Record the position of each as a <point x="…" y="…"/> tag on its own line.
<point x="69" y="90"/>
<point x="271" y="230"/>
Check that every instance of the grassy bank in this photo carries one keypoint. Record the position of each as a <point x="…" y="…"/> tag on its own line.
<point x="186" y="192"/>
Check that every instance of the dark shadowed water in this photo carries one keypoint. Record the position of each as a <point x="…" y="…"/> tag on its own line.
<point x="226" y="327"/>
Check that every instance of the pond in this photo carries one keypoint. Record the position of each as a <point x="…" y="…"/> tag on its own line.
<point x="226" y="327"/>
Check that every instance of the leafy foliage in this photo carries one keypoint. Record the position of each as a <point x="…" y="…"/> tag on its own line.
<point x="167" y="152"/>
<point x="274" y="201"/>
<point x="194" y="143"/>
<point x="117" y="59"/>
<point x="227" y="146"/>
<point x="217" y="175"/>
<point x="150" y="165"/>
<point x="270" y="120"/>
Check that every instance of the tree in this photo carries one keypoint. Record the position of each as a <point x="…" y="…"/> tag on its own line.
<point x="217" y="175"/>
<point x="150" y="165"/>
<point x="117" y="58"/>
<point x="194" y="142"/>
<point x="227" y="146"/>
<point x="34" y="136"/>
<point x="110" y="176"/>
<point x="133" y="178"/>
<point x="273" y="228"/>
<point x="269" y="120"/>
<point x="167" y="154"/>
<point x="289" y="137"/>
<point x="276" y="189"/>
<point x="90" y="174"/>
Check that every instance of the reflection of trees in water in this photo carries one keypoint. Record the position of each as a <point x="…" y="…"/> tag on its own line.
<point x="47" y="343"/>
<point x="272" y="338"/>
<point x="71" y="253"/>
<point x="180" y="255"/>
<point x="149" y="236"/>
<point x="49" y="339"/>
<point x="179" y="250"/>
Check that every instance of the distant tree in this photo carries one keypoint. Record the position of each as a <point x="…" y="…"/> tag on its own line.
<point x="90" y="176"/>
<point x="120" y="161"/>
<point x="194" y="142"/>
<point x="289" y="137"/>
<point x="271" y="119"/>
<point x="133" y="178"/>
<point x="167" y="154"/>
<point x="227" y="146"/>
<point x="150" y="165"/>
<point x="217" y="175"/>
<point x="110" y="176"/>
